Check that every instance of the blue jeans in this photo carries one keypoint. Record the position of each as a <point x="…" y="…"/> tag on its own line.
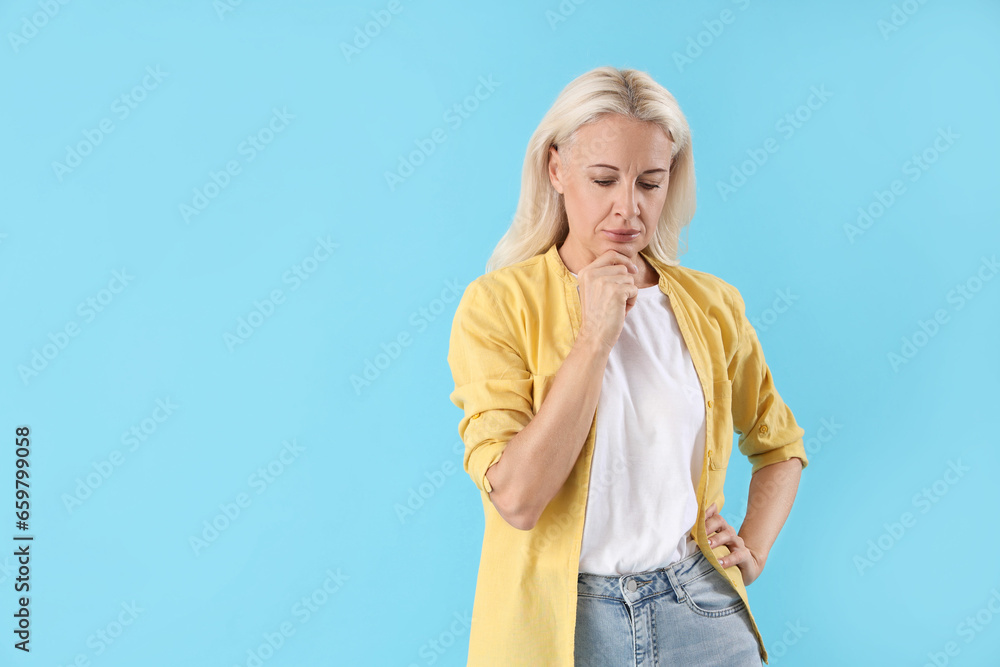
<point x="683" y="614"/>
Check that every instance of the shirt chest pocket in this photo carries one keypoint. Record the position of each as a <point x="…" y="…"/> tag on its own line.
<point x="720" y="412"/>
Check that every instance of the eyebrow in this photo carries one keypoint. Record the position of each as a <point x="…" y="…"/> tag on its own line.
<point x="608" y="166"/>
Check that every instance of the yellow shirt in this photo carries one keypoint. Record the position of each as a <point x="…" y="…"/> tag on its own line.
<point x="513" y="328"/>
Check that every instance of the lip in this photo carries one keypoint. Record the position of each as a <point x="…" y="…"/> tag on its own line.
<point x="622" y="235"/>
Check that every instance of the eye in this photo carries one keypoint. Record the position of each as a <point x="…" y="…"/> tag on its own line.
<point x="647" y="186"/>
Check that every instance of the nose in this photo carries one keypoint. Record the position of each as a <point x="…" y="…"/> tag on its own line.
<point x="626" y="202"/>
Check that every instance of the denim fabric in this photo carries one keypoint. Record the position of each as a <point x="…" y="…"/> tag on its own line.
<point x="683" y="614"/>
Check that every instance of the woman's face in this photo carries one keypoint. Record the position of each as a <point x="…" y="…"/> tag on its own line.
<point x="614" y="184"/>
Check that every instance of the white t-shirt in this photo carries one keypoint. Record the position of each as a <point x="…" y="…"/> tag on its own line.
<point x="649" y="447"/>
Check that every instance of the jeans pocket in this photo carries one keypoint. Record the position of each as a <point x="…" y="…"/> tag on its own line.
<point x="712" y="595"/>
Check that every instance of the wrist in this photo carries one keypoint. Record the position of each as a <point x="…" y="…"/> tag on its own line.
<point x="759" y="554"/>
<point x="592" y="344"/>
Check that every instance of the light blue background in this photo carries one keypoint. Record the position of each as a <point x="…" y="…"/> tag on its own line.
<point x="403" y="256"/>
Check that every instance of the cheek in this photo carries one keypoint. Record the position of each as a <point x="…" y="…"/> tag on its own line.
<point x="586" y="205"/>
<point x="653" y="204"/>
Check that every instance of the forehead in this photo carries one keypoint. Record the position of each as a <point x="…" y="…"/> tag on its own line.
<point x="616" y="139"/>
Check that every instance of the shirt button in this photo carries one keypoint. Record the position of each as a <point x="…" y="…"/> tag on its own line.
<point x="709" y="402"/>
<point x="631" y="586"/>
<point x="763" y="428"/>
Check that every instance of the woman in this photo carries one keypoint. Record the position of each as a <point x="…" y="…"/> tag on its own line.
<point x="601" y="384"/>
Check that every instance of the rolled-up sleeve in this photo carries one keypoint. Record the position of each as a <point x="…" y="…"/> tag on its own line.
<point x="492" y="384"/>
<point x="768" y="430"/>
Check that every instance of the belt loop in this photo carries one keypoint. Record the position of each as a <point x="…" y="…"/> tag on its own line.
<point x="676" y="584"/>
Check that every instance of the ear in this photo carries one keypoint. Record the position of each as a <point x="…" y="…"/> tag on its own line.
<point x="555" y="169"/>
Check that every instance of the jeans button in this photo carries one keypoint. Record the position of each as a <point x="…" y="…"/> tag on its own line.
<point x="631" y="586"/>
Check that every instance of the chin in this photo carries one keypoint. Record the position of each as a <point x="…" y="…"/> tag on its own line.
<point x="628" y="247"/>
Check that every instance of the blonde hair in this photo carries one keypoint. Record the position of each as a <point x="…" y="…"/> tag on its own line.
<point x="540" y="219"/>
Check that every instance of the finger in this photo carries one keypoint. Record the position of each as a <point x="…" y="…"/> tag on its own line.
<point x="612" y="257"/>
<point x="631" y="291"/>
<point x="711" y="510"/>
<point x="724" y="534"/>
<point x="621" y="272"/>
<point x="736" y="556"/>
<point x="715" y="529"/>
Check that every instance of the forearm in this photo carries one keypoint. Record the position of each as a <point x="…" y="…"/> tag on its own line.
<point x="772" y="492"/>
<point x="537" y="461"/>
